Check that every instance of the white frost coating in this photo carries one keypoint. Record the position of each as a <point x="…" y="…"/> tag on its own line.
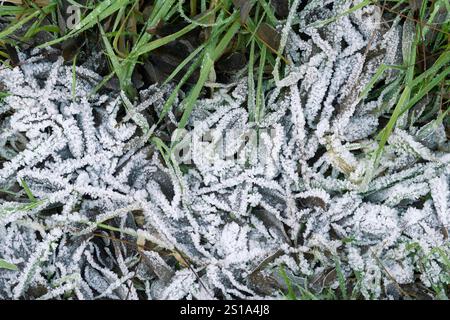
<point x="223" y="227"/>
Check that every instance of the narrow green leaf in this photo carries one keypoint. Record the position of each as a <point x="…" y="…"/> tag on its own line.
<point x="207" y="65"/>
<point x="8" y="266"/>
<point x="12" y="28"/>
<point x="101" y="12"/>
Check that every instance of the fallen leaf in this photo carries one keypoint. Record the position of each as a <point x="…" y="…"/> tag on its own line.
<point x="269" y="36"/>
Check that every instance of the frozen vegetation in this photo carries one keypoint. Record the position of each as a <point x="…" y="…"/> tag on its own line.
<point x="301" y="205"/>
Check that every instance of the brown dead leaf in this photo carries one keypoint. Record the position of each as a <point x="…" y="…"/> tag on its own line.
<point x="269" y="36"/>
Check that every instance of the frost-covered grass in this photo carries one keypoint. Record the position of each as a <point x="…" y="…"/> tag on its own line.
<point x="319" y="171"/>
<point x="131" y="30"/>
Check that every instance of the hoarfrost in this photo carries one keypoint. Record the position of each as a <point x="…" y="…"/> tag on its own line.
<point x="113" y="219"/>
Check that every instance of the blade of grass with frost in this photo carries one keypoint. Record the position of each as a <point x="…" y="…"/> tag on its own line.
<point x="349" y="11"/>
<point x="25" y="207"/>
<point x="170" y="161"/>
<point x="284" y="38"/>
<point x="126" y="67"/>
<point x="138" y="118"/>
<point x="146" y="48"/>
<point x="37" y="24"/>
<point x="259" y="88"/>
<point x="123" y="23"/>
<point x="251" y="83"/>
<point x="356" y="288"/>
<point x="429" y="22"/>
<point x="386" y="132"/>
<point x="253" y="33"/>
<point x="119" y="20"/>
<point x="432" y="72"/>
<point x="190" y="71"/>
<point x="163" y="150"/>
<point x="252" y="28"/>
<point x="3" y="95"/>
<point x="99" y="13"/>
<point x="443" y="60"/>
<point x="442" y="253"/>
<point x="35" y="30"/>
<point x="306" y="294"/>
<point x="261" y="43"/>
<point x="161" y="9"/>
<point x="8" y="266"/>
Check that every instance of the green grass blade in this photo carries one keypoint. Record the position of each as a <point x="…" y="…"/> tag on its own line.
<point x="12" y="28"/>
<point x="14" y="10"/>
<point x="341" y="280"/>
<point x="207" y="65"/>
<point x="163" y="41"/>
<point x="185" y="62"/>
<point x="386" y="132"/>
<point x="8" y="266"/>
<point x="351" y="10"/>
<point x="189" y="102"/>
<point x="251" y="100"/>
<point x="269" y="12"/>
<point x="173" y="95"/>
<point x="27" y="190"/>
<point x="425" y="90"/>
<point x="101" y="12"/>
<point x="259" y="89"/>
<point x="290" y="294"/>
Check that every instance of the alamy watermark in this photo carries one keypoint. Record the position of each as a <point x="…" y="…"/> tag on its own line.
<point x="74" y="17"/>
<point x="242" y="145"/>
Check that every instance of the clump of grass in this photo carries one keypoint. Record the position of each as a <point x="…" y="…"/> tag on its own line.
<point x="131" y="31"/>
<point x="425" y="69"/>
<point x="324" y="290"/>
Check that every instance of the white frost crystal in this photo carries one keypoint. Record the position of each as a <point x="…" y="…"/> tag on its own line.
<point x="112" y="219"/>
